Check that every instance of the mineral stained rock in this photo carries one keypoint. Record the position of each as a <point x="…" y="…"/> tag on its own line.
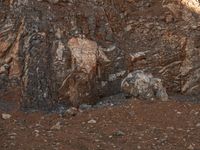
<point x="37" y="50"/>
<point x="81" y="82"/>
<point x="144" y="86"/>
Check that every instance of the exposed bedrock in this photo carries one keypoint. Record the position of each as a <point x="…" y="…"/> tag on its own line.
<point x="79" y="51"/>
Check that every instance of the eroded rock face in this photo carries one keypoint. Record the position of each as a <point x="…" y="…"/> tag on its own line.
<point x="144" y="86"/>
<point x="188" y="71"/>
<point x="37" y="73"/>
<point x="37" y="46"/>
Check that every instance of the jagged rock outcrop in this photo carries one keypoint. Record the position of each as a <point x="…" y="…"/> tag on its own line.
<point x="160" y="37"/>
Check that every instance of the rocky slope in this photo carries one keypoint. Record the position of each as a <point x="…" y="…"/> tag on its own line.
<point x="160" y="37"/>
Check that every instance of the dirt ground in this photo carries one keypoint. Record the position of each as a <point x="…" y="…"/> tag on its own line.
<point x="136" y="124"/>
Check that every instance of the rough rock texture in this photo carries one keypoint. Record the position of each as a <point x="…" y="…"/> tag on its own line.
<point x="144" y="86"/>
<point x="79" y="85"/>
<point x="160" y="37"/>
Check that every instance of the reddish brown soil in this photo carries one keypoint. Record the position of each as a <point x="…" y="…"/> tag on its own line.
<point x="134" y="125"/>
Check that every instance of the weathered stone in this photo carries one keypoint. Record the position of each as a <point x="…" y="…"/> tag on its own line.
<point x="194" y="5"/>
<point x="119" y="133"/>
<point x="37" y="75"/>
<point x="6" y="116"/>
<point x="57" y="126"/>
<point x="85" y="54"/>
<point x="142" y="85"/>
<point x="72" y="111"/>
<point x="92" y="121"/>
<point x="4" y="68"/>
<point x="158" y="89"/>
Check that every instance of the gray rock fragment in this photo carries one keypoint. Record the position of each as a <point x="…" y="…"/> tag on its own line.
<point x="144" y="86"/>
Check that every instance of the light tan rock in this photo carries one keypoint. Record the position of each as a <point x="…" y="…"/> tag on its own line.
<point x="6" y="116"/>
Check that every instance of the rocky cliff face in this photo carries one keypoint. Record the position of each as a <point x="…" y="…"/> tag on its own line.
<point x="159" y="37"/>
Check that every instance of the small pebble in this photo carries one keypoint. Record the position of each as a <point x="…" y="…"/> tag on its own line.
<point x="198" y="125"/>
<point x="92" y="121"/>
<point x="6" y="116"/>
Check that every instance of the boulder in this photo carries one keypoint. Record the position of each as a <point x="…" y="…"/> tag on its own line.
<point x="144" y="86"/>
<point x="6" y="116"/>
<point x="79" y="85"/>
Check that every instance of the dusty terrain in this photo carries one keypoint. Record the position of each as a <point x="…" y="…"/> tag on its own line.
<point x="136" y="124"/>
